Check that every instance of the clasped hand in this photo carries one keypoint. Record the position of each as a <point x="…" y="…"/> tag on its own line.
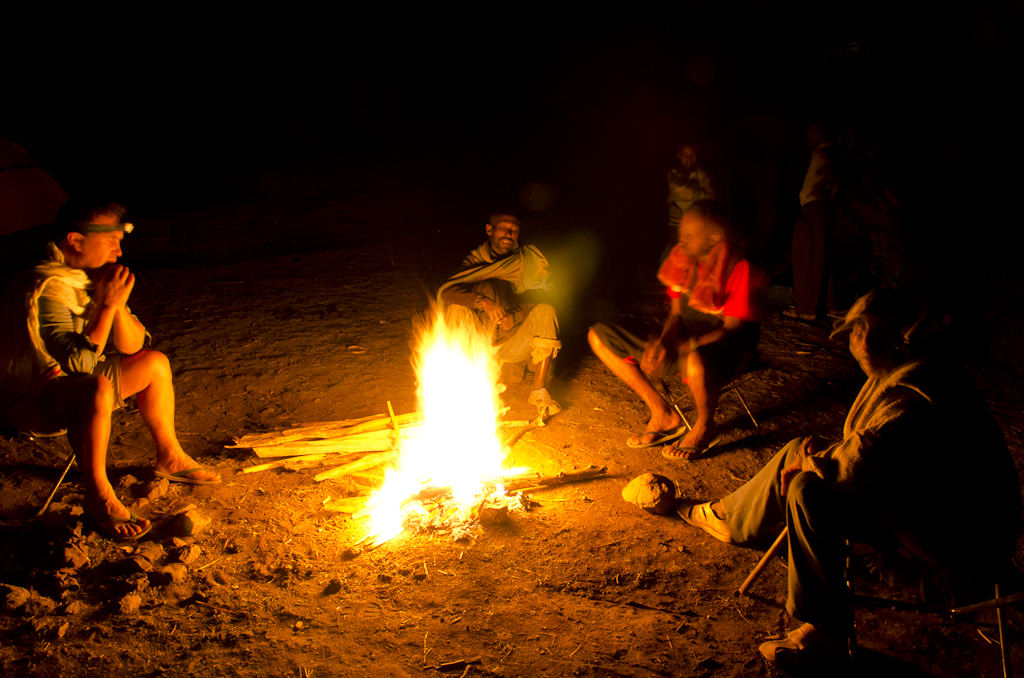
<point x="114" y="286"/>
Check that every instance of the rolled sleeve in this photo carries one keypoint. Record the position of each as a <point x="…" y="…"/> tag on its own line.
<point x="74" y="351"/>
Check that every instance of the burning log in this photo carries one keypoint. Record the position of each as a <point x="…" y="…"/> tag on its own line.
<point x="563" y="478"/>
<point x="511" y="484"/>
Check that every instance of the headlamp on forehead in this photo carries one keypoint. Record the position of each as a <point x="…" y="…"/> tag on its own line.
<point x="126" y="227"/>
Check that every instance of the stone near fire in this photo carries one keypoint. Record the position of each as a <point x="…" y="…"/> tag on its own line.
<point x="15" y="597"/>
<point x="189" y="554"/>
<point x="652" y="492"/>
<point x="131" y="604"/>
<point x="157" y="488"/>
<point x="493" y="513"/>
<point x="136" y="565"/>
<point x="190" y="523"/>
<point x="151" y="551"/>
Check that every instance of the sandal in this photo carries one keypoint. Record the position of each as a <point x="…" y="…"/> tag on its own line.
<point x="112" y="533"/>
<point x="689" y="453"/>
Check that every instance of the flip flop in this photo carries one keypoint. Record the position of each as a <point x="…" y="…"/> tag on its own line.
<point x="660" y="437"/>
<point x="689" y="453"/>
<point x="183" y="477"/>
<point x="132" y="518"/>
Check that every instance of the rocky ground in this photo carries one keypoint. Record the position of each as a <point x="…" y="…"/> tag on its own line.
<point x="258" y="302"/>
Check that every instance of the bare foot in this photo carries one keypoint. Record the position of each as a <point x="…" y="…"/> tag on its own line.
<point x="659" y="423"/>
<point x="114" y="519"/>
<point x="700" y="436"/>
<point x="176" y="463"/>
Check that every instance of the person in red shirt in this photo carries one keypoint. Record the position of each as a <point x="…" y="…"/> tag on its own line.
<point x="712" y="328"/>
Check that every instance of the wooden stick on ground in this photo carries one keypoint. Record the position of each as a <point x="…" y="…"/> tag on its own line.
<point x="773" y="550"/>
<point x="369" y="461"/>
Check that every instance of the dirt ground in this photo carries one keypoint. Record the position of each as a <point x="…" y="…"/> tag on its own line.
<point x="257" y="300"/>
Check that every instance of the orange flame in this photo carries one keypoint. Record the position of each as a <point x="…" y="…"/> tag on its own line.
<point x="457" y="445"/>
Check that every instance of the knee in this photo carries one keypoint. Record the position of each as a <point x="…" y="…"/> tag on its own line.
<point x="806" y="491"/>
<point x="155" y="363"/>
<point x="544" y="311"/>
<point x="96" y="394"/>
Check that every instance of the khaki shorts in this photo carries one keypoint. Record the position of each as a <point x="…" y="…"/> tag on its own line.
<point x="33" y="414"/>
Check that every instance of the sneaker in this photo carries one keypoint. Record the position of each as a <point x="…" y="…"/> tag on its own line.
<point x="804" y="647"/>
<point x="701" y="515"/>
<point x="545" y="404"/>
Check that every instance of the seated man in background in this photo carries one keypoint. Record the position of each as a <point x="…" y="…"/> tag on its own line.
<point x="712" y="328"/>
<point x="922" y="466"/>
<point x="487" y="289"/>
<point x="72" y="352"/>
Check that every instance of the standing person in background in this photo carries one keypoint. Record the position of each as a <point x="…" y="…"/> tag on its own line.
<point x="687" y="185"/>
<point x="813" y="292"/>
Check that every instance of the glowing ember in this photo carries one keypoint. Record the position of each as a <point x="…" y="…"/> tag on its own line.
<point x="457" y="445"/>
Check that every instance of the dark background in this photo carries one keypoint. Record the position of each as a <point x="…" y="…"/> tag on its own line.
<point x="570" y="118"/>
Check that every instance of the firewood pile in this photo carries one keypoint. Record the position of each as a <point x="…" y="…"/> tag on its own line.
<point x="353" y="445"/>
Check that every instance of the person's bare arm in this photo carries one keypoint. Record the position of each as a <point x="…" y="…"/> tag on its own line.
<point x="111" y="320"/>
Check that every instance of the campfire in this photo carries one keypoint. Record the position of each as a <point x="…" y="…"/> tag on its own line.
<point x="444" y="463"/>
<point x="457" y="445"/>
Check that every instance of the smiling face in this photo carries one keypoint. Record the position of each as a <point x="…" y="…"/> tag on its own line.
<point x="91" y="251"/>
<point x="504" y="237"/>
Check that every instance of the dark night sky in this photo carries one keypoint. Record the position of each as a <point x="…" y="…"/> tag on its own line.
<point x="592" y="103"/>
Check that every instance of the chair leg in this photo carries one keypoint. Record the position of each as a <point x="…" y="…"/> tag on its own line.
<point x="1005" y="651"/>
<point x="736" y="390"/>
<point x="56" y="486"/>
<point x="673" y="403"/>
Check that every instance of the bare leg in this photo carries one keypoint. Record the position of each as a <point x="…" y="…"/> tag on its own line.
<point x="148" y="373"/>
<point x="541" y="374"/>
<point x="663" y="417"/>
<point x="85" y="404"/>
<point x="705" y="394"/>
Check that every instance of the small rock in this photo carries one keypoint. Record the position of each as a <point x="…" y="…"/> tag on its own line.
<point x="178" y="542"/>
<point x="157" y="489"/>
<point x="75" y="607"/>
<point x="136" y="565"/>
<point x="126" y="481"/>
<point x="75" y="556"/>
<point x="175" y="573"/>
<point x="190" y="523"/>
<point x="151" y="551"/>
<point x="15" y="597"/>
<point x="332" y="587"/>
<point x="63" y="629"/>
<point x="39" y="605"/>
<point x="652" y="492"/>
<point x="131" y="604"/>
<point x="493" y="514"/>
<point x="189" y="554"/>
<point x="64" y="579"/>
<point x="136" y="583"/>
<point x="210" y="580"/>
